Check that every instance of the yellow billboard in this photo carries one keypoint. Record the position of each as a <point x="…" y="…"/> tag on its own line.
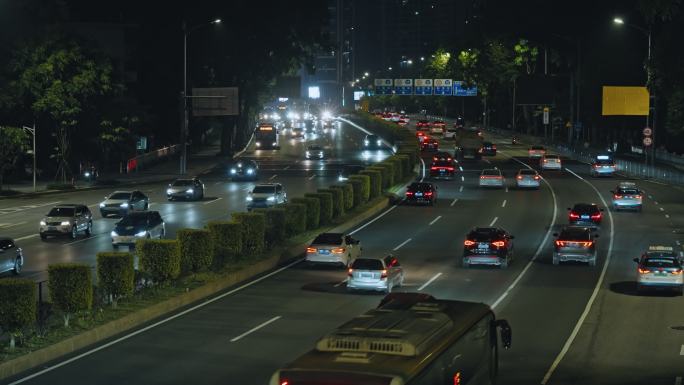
<point x="625" y="101"/>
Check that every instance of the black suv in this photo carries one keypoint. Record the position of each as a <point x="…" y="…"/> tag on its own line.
<point x="585" y="214"/>
<point x="421" y="192"/>
<point x="488" y="246"/>
<point x="488" y="149"/>
<point x="244" y="169"/>
<point x="372" y="142"/>
<point x="442" y="169"/>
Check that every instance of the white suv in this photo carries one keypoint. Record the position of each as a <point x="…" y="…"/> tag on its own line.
<point x="266" y="195"/>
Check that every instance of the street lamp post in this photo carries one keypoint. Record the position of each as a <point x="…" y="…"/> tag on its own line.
<point x="649" y="84"/>
<point x="32" y="131"/>
<point x="184" y="94"/>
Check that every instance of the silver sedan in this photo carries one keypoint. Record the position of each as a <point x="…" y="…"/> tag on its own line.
<point x="381" y="274"/>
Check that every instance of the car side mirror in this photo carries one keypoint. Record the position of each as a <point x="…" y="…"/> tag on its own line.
<point x="635" y="260"/>
<point x="555" y="234"/>
<point x="512" y="237"/>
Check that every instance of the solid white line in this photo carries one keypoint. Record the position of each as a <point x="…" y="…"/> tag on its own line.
<point x="678" y="380"/>
<point x="487" y="160"/>
<point x="25" y="237"/>
<point x="158" y="323"/>
<point x="460" y="189"/>
<point x="541" y="246"/>
<point x="401" y="244"/>
<point x="681" y="351"/>
<point x="312" y="176"/>
<point x="422" y="176"/>
<point x="255" y="329"/>
<point x="424" y="285"/>
<point x="8" y="225"/>
<point x="454" y="202"/>
<point x="594" y="294"/>
<point x="493" y="221"/>
<point x="504" y="203"/>
<point x="435" y="220"/>
<point x="273" y="176"/>
<point x="214" y="200"/>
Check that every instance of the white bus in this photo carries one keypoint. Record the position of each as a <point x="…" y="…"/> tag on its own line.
<point x="410" y="339"/>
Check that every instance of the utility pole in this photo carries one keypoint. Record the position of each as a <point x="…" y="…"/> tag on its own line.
<point x="32" y="131"/>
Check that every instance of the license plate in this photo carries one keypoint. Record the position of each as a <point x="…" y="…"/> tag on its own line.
<point x="419" y="194"/>
<point x="483" y="246"/>
<point x="323" y="251"/>
<point x="660" y="273"/>
<point x="585" y="217"/>
<point x="366" y="275"/>
<point x="52" y="228"/>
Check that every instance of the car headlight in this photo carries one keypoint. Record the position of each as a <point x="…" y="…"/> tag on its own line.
<point x="258" y="144"/>
<point x="379" y="142"/>
<point x="366" y="142"/>
<point x="87" y="174"/>
<point x="169" y="191"/>
<point x="43" y="223"/>
<point x="190" y="191"/>
<point x="270" y="199"/>
<point x="233" y="171"/>
<point x="307" y="153"/>
<point x="141" y="234"/>
<point x="65" y="223"/>
<point x="114" y="234"/>
<point x="124" y="205"/>
<point x="250" y="171"/>
<point x="320" y="153"/>
<point x="102" y="205"/>
<point x="274" y="143"/>
<point x="249" y="199"/>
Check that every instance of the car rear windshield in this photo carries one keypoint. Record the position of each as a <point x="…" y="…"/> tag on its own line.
<point x="584" y="208"/>
<point x="537" y="147"/>
<point x="660" y="262"/>
<point x="604" y="161"/>
<point x="367" y="264"/>
<point x="442" y="163"/>
<point x="263" y="190"/>
<point x="491" y="172"/>
<point x="552" y="157"/>
<point x="61" y="212"/>
<point x="328" y="239"/>
<point x="487" y="144"/>
<point x="420" y="187"/>
<point x="121" y="195"/>
<point x="483" y="235"/>
<point x="133" y="220"/>
<point x="528" y="172"/>
<point x="314" y="148"/>
<point x="371" y="137"/>
<point x="575" y="235"/>
<point x="183" y="182"/>
<point x="628" y="191"/>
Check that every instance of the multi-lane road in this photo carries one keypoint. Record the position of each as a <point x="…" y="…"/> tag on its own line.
<point x="572" y="324"/>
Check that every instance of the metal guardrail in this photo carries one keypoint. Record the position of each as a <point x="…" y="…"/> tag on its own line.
<point x="143" y="161"/>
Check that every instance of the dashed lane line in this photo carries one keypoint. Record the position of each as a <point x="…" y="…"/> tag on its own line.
<point x="26" y="237"/>
<point x="429" y="281"/>
<point x="213" y="200"/>
<point x="460" y="189"/>
<point x="273" y="176"/>
<point x="250" y="331"/>
<point x="435" y="220"/>
<point x="399" y="246"/>
<point x="504" y="203"/>
<point x="493" y="221"/>
<point x="453" y="202"/>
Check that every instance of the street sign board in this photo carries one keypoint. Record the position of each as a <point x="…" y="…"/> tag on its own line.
<point x="217" y="101"/>
<point x="546" y="115"/>
<point x="460" y="90"/>
<point x="383" y="86"/>
<point x="443" y="87"/>
<point x="403" y="86"/>
<point x="423" y="86"/>
<point x="648" y="141"/>
<point x="648" y="131"/>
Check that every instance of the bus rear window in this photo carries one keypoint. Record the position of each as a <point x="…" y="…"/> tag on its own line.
<point x="330" y="378"/>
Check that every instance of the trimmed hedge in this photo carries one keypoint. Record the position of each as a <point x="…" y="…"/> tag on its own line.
<point x="413" y="158"/>
<point x="195" y="249"/>
<point x="337" y="200"/>
<point x="375" y="182"/>
<point x="347" y="195"/>
<point x="365" y="186"/>
<point x="253" y="233"/>
<point x="275" y="224"/>
<point x="357" y="186"/>
<point x="389" y="170"/>
<point x="398" y="172"/>
<point x="71" y="288"/>
<point x="384" y="176"/>
<point x="405" y="163"/>
<point x="116" y="274"/>
<point x="160" y="258"/>
<point x="325" y="201"/>
<point x="313" y="211"/>
<point x="295" y="218"/>
<point x="226" y="241"/>
<point x="17" y="306"/>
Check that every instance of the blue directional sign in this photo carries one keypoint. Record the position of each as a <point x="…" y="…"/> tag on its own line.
<point x="383" y="86"/>
<point x="423" y="86"/>
<point x="459" y="90"/>
<point x="403" y="86"/>
<point x="444" y="87"/>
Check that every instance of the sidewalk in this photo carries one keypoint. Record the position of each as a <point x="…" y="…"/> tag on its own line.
<point x="198" y="163"/>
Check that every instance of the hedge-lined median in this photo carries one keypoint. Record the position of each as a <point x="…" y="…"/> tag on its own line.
<point x="226" y="242"/>
<point x="313" y="211"/>
<point x="159" y="259"/>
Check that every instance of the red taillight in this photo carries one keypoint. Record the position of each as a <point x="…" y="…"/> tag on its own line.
<point x="384" y="274"/>
<point x="596" y="216"/>
<point x="310" y="249"/>
<point x="450" y="168"/>
<point x="644" y="271"/>
<point x="493" y="146"/>
<point x="499" y="243"/>
<point x="536" y="177"/>
<point x="676" y="272"/>
<point x="560" y="243"/>
<point x="409" y="193"/>
<point x="428" y="194"/>
<point x="574" y="216"/>
<point x="350" y="272"/>
<point x="519" y="177"/>
<point x="284" y="382"/>
<point x="596" y="166"/>
<point x="468" y="242"/>
<point x="433" y="168"/>
<point x="616" y="196"/>
<point x="338" y="250"/>
<point x="637" y="196"/>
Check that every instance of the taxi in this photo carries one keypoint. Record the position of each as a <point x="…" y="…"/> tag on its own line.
<point x="627" y="196"/>
<point x="603" y="165"/>
<point x="659" y="268"/>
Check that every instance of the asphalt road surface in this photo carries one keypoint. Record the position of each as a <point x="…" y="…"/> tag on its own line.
<point x="572" y="324"/>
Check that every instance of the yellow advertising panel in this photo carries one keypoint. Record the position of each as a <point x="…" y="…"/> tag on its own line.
<point x="625" y="101"/>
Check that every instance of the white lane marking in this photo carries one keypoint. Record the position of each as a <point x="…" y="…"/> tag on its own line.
<point x="217" y="183"/>
<point x="154" y="325"/>
<point x="678" y="243"/>
<point x="650" y="197"/>
<point x="25" y="237"/>
<point x="424" y="285"/>
<point x="504" y="203"/>
<point x="453" y="202"/>
<point x="487" y="160"/>
<point x="401" y="244"/>
<point x="273" y="176"/>
<point x="250" y="331"/>
<point x="460" y="168"/>
<point x="460" y="189"/>
<point x="493" y="221"/>
<point x="662" y="208"/>
<point x="340" y="283"/>
<point x="312" y="176"/>
<point x="594" y="294"/>
<point x="8" y="225"/>
<point x="373" y="220"/>
<point x="286" y="167"/>
<point x="541" y="245"/>
<point x="667" y="215"/>
<point x="681" y="351"/>
<point x="506" y="188"/>
<point x="81" y="240"/>
<point x="678" y="380"/>
<point x="10" y="210"/>
<point x="213" y="200"/>
<point x="656" y="202"/>
<point x="435" y="220"/>
<point x="422" y="176"/>
<point x="462" y="178"/>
